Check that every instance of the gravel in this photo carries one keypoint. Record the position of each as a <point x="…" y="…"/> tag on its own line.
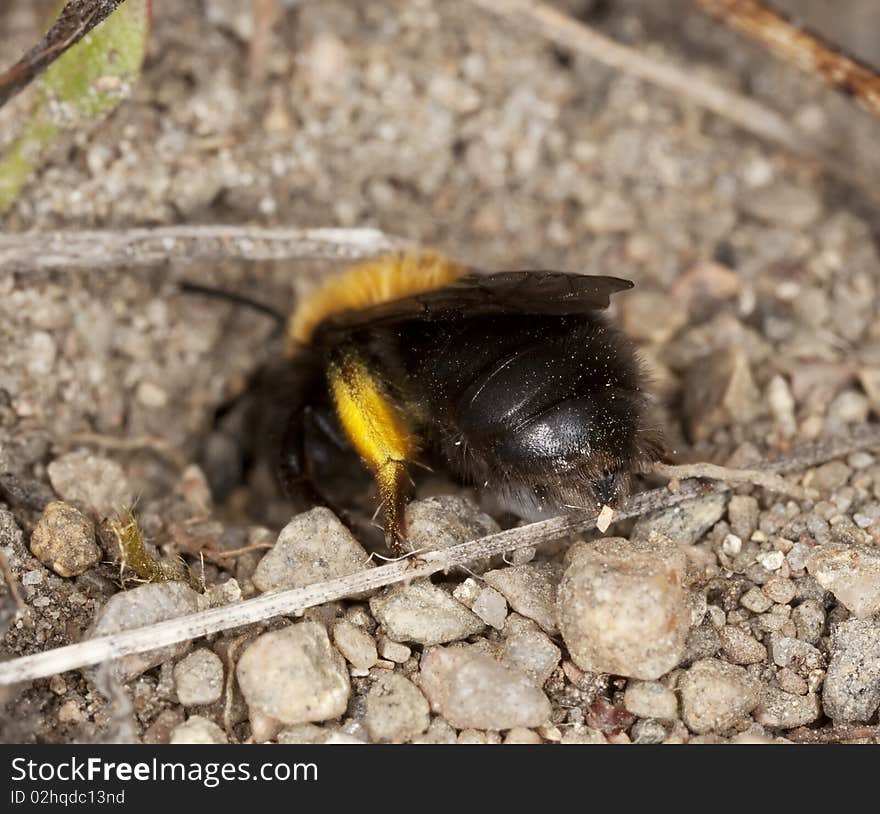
<point x="313" y="547"/>
<point x="64" y="540"/>
<point x="397" y="711"/>
<point x="852" y="684"/>
<point x="447" y="520"/>
<point x="530" y="590"/>
<point x="198" y="730"/>
<point x="650" y="699"/>
<point x="716" y="696"/>
<point x="686" y="523"/>
<point x="141" y="606"/>
<point x="358" y="646"/>
<point x="198" y="678"/>
<point x="491" y="607"/>
<point x="741" y="647"/>
<point x="719" y="390"/>
<point x="851" y="573"/>
<point x="528" y="648"/>
<point x="782" y="710"/>
<point x="95" y="482"/>
<point x="294" y="676"/>
<point x="423" y="613"/>
<point x="474" y="691"/>
<point x="623" y="609"/>
<point x="742" y="512"/>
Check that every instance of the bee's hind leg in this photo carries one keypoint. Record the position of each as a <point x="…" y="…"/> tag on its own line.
<point x="381" y="433"/>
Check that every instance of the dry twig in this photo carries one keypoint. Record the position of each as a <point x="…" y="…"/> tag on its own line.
<point x="746" y="113"/>
<point x="42" y="251"/>
<point x="758" y="477"/>
<point x="295" y="601"/>
<point x="804" y="48"/>
<point x="77" y="18"/>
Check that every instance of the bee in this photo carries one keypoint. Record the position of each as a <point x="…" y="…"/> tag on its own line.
<point x="514" y="381"/>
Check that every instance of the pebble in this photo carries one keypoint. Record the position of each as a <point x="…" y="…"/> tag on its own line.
<point x="648" y="731"/>
<point x="397" y="711"/>
<point x="809" y="620"/>
<point x="798" y="656"/>
<point x="716" y="695"/>
<point x="732" y="545"/>
<point x="198" y="730"/>
<point x="755" y="600"/>
<point x="652" y="316"/>
<point x="91" y="480"/>
<point x="828" y="477"/>
<point x="784" y="204"/>
<point x="742" y="512"/>
<point x="491" y="607"/>
<point x="393" y="651"/>
<point x="719" y="391"/>
<point x="581" y="734"/>
<point x="530" y="590"/>
<point x="520" y="734"/>
<point x="779" y="590"/>
<point x="650" y="699"/>
<point x="782" y="710"/>
<point x="848" y="407"/>
<point x="791" y="682"/>
<point x="852" y="684"/>
<point x="869" y="378"/>
<point x="424" y="613"/>
<point x="294" y="675"/>
<point x="851" y="573"/>
<point x="623" y="608"/>
<point x="439" y="731"/>
<point x="64" y="540"/>
<point x="302" y="733"/>
<point x="313" y="547"/>
<point x="782" y="405"/>
<point x="529" y="649"/>
<point x="198" y="678"/>
<point x="138" y="607"/>
<point x="771" y="560"/>
<point x="685" y="523"/>
<point x="474" y="691"/>
<point x="447" y="520"/>
<point x="741" y="647"/>
<point x="358" y="646"/>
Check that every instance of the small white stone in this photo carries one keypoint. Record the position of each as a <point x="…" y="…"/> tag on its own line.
<point x="732" y="545"/>
<point x="198" y="678"/>
<point x="771" y="560"/>
<point x="198" y="730"/>
<point x="393" y="651"/>
<point x="491" y="607"/>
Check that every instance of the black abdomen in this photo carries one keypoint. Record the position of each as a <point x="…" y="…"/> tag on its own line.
<point x="550" y="405"/>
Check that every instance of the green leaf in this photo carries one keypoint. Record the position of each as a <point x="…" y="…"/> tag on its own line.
<point x="84" y="84"/>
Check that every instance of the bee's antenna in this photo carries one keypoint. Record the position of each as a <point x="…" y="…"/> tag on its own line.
<point x="231" y="296"/>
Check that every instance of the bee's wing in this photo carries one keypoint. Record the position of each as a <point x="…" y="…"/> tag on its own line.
<point x="506" y="292"/>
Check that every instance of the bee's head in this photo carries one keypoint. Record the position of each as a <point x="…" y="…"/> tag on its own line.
<point x="610" y="489"/>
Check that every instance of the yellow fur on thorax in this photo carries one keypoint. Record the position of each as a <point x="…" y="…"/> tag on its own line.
<point x="376" y="281"/>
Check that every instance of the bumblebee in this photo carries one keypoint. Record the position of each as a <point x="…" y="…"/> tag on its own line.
<point x="514" y="382"/>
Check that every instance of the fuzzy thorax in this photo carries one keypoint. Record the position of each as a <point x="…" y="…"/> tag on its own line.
<point x="376" y="281"/>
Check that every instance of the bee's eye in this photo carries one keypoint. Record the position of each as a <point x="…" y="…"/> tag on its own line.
<point x="606" y="488"/>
